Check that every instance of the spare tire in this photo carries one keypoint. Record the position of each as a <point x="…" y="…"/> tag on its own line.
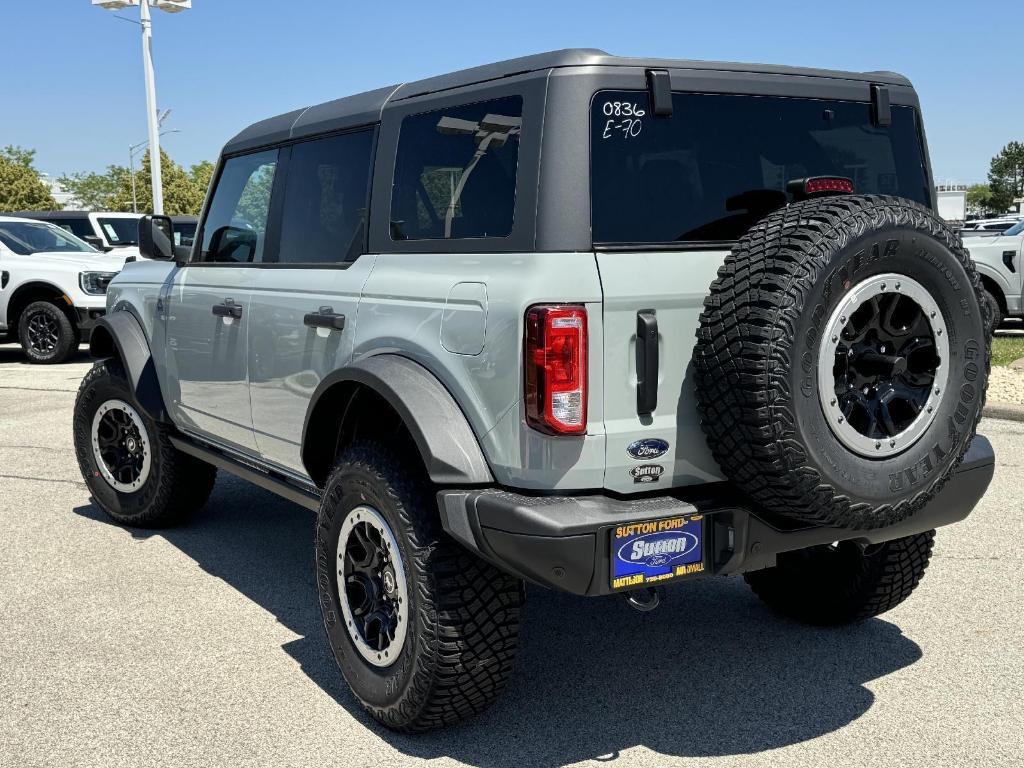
<point x="842" y="359"/>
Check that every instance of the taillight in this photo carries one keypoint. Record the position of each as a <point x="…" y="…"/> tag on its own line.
<point x="556" y="369"/>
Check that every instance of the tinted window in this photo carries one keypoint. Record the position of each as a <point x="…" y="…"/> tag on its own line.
<point x="455" y="173"/>
<point x="120" y="231"/>
<point x="324" y="212"/>
<point x="721" y="162"/>
<point x="184" y="232"/>
<point x="26" y="238"/>
<point x="80" y="227"/>
<point x="236" y="225"/>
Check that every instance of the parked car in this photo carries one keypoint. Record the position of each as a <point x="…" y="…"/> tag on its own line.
<point x="106" y="230"/>
<point x="184" y="228"/>
<point x="989" y="227"/>
<point x="998" y="261"/>
<point x="456" y="318"/>
<point x="52" y="287"/>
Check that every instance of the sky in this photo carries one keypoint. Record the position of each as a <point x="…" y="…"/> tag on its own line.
<point x="72" y="87"/>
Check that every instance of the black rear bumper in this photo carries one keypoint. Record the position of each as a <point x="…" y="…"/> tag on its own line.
<point x="563" y="541"/>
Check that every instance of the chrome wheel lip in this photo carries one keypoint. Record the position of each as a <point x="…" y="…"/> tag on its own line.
<point x="143" y="440"/>
<point x="876" y="285"/>
<point x="369" y="515"/>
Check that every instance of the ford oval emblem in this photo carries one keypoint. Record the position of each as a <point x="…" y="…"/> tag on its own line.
<point x="651" y="448"/>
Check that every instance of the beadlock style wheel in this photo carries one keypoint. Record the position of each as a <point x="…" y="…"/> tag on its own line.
<point x="372" y="586"/>
<point x="121" y="446"/>
<point x="883" y="365"/>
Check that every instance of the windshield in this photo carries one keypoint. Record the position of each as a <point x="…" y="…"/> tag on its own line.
<point x="721" y="162"/>
<point x="25" y="238"/>
<point x="120" y="231"/>
<point x="1016" y="229"/>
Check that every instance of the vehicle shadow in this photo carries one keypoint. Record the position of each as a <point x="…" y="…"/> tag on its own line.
<point x="710" y="673"/>
<point x="11" y="352"/>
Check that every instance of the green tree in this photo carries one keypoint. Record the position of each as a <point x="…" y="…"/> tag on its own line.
<point x="979" y="198"/>
<point x="1006" y="176"/>
<point x="21" y="189"/>
<point x="96" y="191"/>
<point x="201" y="174"/>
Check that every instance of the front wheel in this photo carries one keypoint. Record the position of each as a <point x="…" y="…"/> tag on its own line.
<point x="46" y="333"/>
<point x="844" y="582"/>
<point x="133" y="471"/>
<point x="424" y="632"/>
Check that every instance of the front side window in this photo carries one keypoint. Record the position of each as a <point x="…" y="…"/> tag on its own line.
<point x="235" y="229"/>
<point x="120" y="231"/>
<point x="323" y="218"/>
<point x="722" y="162"/>
<point x="26" y="238"/>
<point x="79" y="227"/>
<point x="455" y="172"/>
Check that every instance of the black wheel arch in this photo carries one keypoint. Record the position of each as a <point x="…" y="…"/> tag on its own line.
<point x="406" y="397"/>
<point x="37" y="290"/>
<point x="120" y="335"/>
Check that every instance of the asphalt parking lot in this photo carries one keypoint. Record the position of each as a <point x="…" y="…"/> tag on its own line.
<point x="202" y="645"/>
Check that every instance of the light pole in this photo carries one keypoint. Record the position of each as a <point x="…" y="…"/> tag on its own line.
<point x="171" y="6"/>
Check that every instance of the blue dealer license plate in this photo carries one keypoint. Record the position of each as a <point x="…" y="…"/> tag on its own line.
<point x="655" y="551"/>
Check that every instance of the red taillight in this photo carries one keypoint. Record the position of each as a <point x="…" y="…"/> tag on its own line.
<point x="556" y="369"/>
<point x="822" y="184"/>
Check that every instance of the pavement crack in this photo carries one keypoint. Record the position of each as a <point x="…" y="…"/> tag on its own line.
<point x="42" y="479"/>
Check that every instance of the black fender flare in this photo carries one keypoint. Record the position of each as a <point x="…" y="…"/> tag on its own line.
<point x="443" y="436"/>
<point x="119" y="334"/>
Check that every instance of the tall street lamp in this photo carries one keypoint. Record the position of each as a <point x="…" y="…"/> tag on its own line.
<point x="171" y="6"/>
<point x="134" y="150"/>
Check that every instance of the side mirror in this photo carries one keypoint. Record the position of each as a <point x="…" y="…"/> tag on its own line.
<point x="97" y="243"/>
<point x="156" y="238"/>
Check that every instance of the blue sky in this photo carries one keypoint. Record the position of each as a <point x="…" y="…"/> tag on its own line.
<point x="72" y="83"/>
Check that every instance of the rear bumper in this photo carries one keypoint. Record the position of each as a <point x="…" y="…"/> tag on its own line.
<point x="563" y="541"/>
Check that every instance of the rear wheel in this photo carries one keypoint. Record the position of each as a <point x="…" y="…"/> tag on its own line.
<point x="424" y="632"/>
<point x="844" y="582"/>
<point x="46" y="333"/>
<point x="995" y="311"/>
<point x="133" y="471"/>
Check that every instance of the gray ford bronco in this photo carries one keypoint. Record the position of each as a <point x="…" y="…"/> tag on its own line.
<point x="595" y="323"/>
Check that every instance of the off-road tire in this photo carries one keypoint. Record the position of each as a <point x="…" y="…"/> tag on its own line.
<point x="67" y="335"/>
<point x="463" y="624"/>
<point x="177" y="484"/>
<point x="840" y="585"/>
<point x="759" y="338"/>
<point x="995" y="311"/>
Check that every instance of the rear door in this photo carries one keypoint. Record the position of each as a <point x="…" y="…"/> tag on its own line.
<point x="304" y="300"/>
<point x="670" y="195"/>
<point x="208" y="306"/>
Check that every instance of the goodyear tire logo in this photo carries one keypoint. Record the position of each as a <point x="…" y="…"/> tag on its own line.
<point x="656" y="549"/>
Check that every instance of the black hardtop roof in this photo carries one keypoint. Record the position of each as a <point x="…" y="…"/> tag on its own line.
<point x="366" y="107"/>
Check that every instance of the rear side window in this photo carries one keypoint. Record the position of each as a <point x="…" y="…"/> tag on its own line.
<point x="721" y="162"/>
<point x="455" y="172"/>
<point x="236" y="226"/>
<point x="326" y="191"/>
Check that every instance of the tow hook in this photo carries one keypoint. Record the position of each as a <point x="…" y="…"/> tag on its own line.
<point x="643" y="600"/>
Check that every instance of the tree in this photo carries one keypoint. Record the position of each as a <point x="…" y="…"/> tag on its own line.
<point x="96" y="191"/>
<point x="21" y="189"/>
<point x="1006" y="176"/>
<point x="201" y="174"/>
<point x="979" y="198"/>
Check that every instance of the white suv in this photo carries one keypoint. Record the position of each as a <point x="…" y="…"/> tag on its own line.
<point x="53" y="287"/>
<point x="998" y="260"/>
<point x="106" y="230"/>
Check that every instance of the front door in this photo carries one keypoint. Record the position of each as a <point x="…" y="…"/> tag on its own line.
<point x="304" y="303"/>
<point x="209" y="306"/>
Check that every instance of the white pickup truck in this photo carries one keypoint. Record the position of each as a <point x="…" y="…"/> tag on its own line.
<point x="998" y="259"/>
<point x="53" y="287"/>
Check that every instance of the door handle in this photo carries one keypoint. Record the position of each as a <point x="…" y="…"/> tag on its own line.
<point x="646" y="362"/>
<point x="325" y="317"/>
<point x="228" y="309"/>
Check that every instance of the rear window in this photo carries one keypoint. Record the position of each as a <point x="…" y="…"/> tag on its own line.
<point x="455" y="172"/>
<point x="720" y="162"/>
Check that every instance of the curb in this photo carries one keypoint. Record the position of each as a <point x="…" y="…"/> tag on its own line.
<point x="1003" y="411"/>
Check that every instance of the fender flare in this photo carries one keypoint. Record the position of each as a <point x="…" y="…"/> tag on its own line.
<point x="119" y="334"/>
<point x="446" y="442"/>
